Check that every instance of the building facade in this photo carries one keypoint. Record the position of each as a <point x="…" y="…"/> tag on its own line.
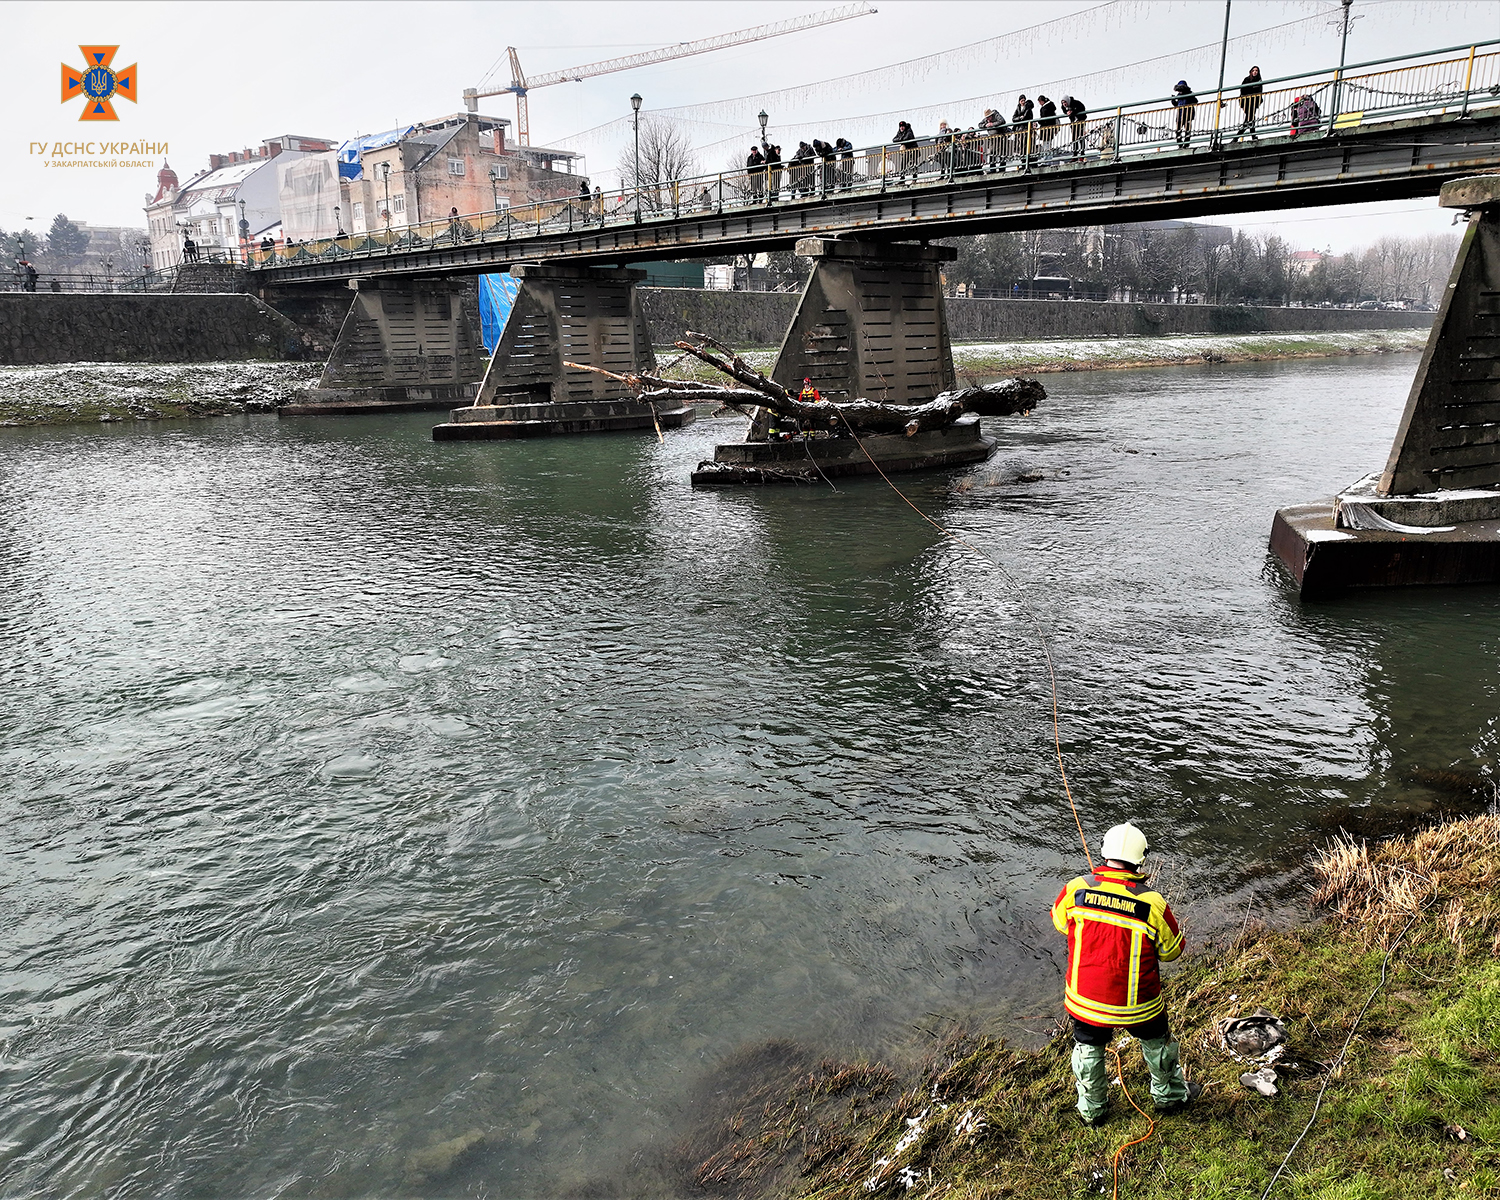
<point x="241" y="186"/>
<point x="461" y="161"/>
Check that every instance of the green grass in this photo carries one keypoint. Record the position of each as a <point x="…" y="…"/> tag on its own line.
<point x="1422" y="1065"/>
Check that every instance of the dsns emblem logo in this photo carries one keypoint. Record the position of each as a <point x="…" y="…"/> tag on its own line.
<point x="98" y="83"/>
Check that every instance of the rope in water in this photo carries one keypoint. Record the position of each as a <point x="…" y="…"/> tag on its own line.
<point x="1030" y="616"/>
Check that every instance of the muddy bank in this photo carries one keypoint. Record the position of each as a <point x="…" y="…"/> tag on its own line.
<point x="44" y="395"/>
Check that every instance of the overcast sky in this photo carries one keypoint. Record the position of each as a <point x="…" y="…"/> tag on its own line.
<point x="216" y="77"/>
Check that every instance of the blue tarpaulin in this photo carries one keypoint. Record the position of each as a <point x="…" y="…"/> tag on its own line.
<point x="497" y="293"/>
<point x="349" y="152"/>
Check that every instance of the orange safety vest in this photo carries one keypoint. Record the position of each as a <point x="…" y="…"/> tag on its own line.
<point x="1118" y="930"/>
<point x="810" y="395"/>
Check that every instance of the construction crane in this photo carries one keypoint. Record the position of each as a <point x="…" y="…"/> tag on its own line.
<point x="520" y="85"/>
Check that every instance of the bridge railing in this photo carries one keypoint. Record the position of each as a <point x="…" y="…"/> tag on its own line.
<point x="1453" y="81"/>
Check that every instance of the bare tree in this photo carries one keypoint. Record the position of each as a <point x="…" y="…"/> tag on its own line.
<point x="666" y="157"/>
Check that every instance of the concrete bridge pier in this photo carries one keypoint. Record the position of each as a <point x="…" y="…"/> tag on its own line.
<point x="590" y="316"/>
<point x="871" y="323"/>
<point x="405" y="344"/>
<point x="1433" y="515"/>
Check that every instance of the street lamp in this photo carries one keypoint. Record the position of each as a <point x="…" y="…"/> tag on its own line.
<point x="244" y="234"/>
<point x="385" y="174"/>
<point x="762" y="118"/>
<point x="635" y="105"/>
<point x="495" y="187"/>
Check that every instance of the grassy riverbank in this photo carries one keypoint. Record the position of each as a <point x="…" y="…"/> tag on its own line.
<point x="52" y="395"/>
<point x="1410" y="1111"/>
<point x="982" y="359"/>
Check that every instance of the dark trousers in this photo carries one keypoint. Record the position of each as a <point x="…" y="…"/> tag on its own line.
<point x="1099" y="1035"/>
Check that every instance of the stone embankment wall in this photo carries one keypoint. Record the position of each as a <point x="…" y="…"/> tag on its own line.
<point x="762" y="318"/>
<point x="43" y="327"/>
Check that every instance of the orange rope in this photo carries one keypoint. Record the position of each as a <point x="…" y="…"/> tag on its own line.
<point x="1150" y="1127"/>
<point x="1030" y="616"/>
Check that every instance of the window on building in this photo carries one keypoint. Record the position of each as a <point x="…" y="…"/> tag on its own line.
<point x="456" y="167"/>
<point x="359" y="212"/>
<point x="502" y="203"/>
<point x="500" y="171"/>
<point x="398" y="204"/>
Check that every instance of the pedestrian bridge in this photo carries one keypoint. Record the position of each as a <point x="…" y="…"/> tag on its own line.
<point x="1385" y="130"/>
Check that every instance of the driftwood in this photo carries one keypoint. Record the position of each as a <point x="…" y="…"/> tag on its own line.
<point x="1007" y="398"/>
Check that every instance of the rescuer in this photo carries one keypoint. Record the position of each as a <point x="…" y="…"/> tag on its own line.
<point x="1118" y="930"/>
<point x="809" y="394"/>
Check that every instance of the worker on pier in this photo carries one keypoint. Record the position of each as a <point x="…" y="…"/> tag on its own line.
<point x="1186" y="105"/>
<point x="1119" y="929"/>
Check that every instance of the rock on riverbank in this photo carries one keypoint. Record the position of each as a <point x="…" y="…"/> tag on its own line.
<point x="146" y="391"/>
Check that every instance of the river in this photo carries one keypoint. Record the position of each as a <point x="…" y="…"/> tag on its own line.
<point x="362" y="792"/>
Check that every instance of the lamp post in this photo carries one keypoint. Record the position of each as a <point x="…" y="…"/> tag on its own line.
<point x="762" y="118"/>
<point x="1223" y="55"/>
<point x="495" y="187"/>
<point x="1338" y="87"/>
<point x="244" y="234"/>
<point x="385" y="175"/>
<point x="635" y="105"/>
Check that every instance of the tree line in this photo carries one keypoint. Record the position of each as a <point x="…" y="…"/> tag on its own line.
<point x="1204" y="263"/>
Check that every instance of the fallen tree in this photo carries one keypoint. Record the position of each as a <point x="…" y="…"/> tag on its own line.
<point x="752" y="388"/>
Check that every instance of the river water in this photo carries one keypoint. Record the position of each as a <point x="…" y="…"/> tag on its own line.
<point x="361" y="793"/>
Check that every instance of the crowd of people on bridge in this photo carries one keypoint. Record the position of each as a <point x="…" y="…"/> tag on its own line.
<point x="1032" y="134"/>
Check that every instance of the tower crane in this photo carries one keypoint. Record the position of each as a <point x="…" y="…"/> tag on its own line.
<point x="520" y="85"/>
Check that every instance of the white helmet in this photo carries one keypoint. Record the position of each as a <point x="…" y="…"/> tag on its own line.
<point x="1125" y="843"/>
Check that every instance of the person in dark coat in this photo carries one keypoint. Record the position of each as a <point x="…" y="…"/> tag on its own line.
<point x="845" y="150"/>
<point x="1021" y="123"/>
<point x="1046" y="124"/>
<point x="1250" y="101"/>
<point x="773" y="168"/>
<point x="1186" y="105"/>
<point x="802" y="170"/>
<point x="1078" y="115"/>
<point x="906" y="152"/>
<point x="825" y="153"/>
<point x="755" y="174"/>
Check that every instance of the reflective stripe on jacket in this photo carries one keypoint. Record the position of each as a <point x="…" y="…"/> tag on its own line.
<point x="1118" y="929"/>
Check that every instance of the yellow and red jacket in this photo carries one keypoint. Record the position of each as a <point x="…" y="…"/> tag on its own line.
<point x="1118" y="929"/>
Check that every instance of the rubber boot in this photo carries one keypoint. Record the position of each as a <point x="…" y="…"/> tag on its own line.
<point x="1093" y="1087"/>
<point x="1168" y="1088"/>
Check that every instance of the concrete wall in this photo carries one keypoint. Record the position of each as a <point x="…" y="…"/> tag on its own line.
<point x="49" y="328"/>
<point x="761" y="318"/>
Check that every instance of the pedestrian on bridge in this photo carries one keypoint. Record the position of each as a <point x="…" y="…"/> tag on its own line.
<point x="1021" y="122"/>
<point x="773" y="169"/>
<point x="1047" y="124"/>
<point x="1250" y="102"/>
<point x="585" y="198"/>
<point x="992" y="130"/>
<point x="1186" y="105"/>
<point x="825" y="153"/>
<point x="906" y="152"/>
<point x="1078" y="115"/>
<point x="845" y="150"/>
<point x="802" y="171"/>
<point x="755" y="174"/>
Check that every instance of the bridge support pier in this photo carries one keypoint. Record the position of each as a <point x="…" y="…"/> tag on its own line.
<point x="1433" y="515"/>
<point x="405" y="344"/>
<point x="585" y="315"/>
<point x="872" y="324"/>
